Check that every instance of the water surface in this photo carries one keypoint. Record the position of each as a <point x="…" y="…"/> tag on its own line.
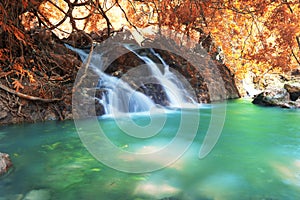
<point x="257" y="157"/>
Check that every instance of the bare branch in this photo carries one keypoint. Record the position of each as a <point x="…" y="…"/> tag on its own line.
<point x="126" y="17"/>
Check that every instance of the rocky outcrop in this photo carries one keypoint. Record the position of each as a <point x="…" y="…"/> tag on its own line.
<point x="287" y="97"/>
<point x="5" y="163"/>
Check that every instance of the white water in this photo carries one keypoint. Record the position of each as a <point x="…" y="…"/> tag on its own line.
<point x="119" y="97"/>
<point x="172" y="86"/>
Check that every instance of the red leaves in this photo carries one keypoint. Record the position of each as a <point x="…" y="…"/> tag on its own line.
<point x="21" y="73"/>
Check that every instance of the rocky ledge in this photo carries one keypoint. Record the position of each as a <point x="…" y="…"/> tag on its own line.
<point x="5" y="163"/>
<point x="286" y="97"/>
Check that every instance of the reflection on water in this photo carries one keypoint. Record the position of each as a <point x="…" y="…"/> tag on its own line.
<point x="256" y="157"/>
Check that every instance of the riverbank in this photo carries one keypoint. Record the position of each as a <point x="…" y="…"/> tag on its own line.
<point x="37" y="85"/>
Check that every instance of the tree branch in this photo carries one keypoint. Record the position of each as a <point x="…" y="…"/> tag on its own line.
<point x="296" y="58"/>
<point x="126" y="17"/>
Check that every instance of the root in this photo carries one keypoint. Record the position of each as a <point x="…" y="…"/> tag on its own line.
<point x="28" y="97"/>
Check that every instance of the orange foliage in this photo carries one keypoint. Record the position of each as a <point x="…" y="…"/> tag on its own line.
<point x="258" y="36"/>
<point x="17" y="85"/>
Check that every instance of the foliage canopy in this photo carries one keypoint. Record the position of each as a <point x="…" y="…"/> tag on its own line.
<point x="257" y="36"/>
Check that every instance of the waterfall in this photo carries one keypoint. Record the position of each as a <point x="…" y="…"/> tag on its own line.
<point x="176" y="93"/>
<point x="119" y="97"/>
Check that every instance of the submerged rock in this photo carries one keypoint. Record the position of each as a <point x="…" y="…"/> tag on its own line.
<point x="5" y="163"/>
<point x="156" y="191"/>
<point x="41" y="194"/>
<point x="12" y="197"/>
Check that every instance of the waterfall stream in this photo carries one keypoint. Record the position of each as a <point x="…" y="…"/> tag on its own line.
<point x="157" y="84"/>
<point x="176" y="94"/>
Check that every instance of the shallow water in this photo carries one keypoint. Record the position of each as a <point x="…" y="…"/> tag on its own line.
<point x="256" y="157"/>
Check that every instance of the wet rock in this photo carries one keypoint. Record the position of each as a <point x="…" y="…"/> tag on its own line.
<point x="12" y="197"/>
<point x="279" y="92"/>
<point x="41" y="194"/>
<point x="293" y="90"/>
<point x="5" y="163"/>
<point x="276" y="97"/>
<point x="271" y="97"/>
<point x="155" y="191"/>
<point x="51" y="116"/>
<point x="210" y="80"/>
<point x="156" y="93"/>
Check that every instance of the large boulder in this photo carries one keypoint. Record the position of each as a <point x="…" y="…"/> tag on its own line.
<point x="276" y="97"/>
<point x="281" y="90"/>
<point x="5" y="163"/>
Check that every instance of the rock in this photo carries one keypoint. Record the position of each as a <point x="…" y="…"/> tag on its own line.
<point x="276" y="97"/>
<point x="156" y="191"/>
<point x="3" y="111"/>
<point x="50" y="115"/>
<point x="3" y="114"/>
<point x="12" y="197"/>
<point x="279" y="90"/>
<point x="230" y="87"/>
<point x="247" y="87"/>
<point x="271" y="97"/>
<point x="5" y="163"/>
<point x="293" y="90"/>
<point x="41" y="194"/>
<point x="271" y="81"/>
<point x="295" y="72"/>
<point x="211" y="80"/>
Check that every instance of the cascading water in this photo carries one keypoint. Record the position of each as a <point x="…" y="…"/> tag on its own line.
<point x="176" y="93"/>
<point x="119" y="97"/>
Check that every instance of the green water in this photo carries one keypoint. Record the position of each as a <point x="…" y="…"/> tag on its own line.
<point x="257" y="157"/>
